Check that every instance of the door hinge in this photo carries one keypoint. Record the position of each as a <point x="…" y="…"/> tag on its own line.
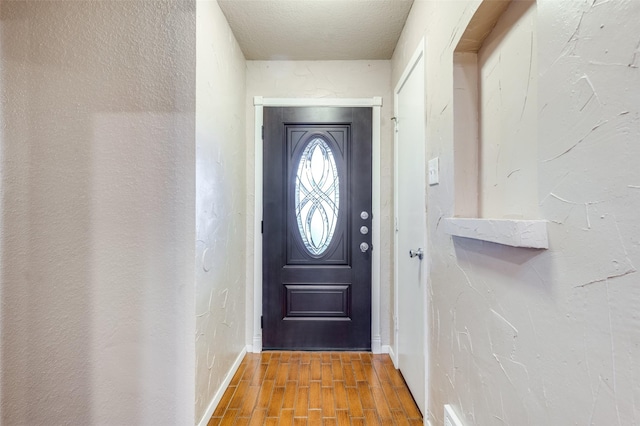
<point x="261" y="322"/>
<point x="262" y="132"/>
<point x="262" y="227"/>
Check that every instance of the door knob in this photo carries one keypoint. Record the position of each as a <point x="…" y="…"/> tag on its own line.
<point x="364" y="247"/>
<point x="416" y="253"/>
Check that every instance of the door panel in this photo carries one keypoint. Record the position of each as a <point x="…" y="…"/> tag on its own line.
<point x="411" y="231"/>
<point x="317" y="180"/>
<point x="317" y="301"/>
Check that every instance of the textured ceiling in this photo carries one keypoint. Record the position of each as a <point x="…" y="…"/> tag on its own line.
<point x="316" y="29"/>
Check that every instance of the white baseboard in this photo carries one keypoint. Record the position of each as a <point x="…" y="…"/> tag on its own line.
<point x="256" y="348"/>
<point x="389" y="350"/>
<point x="223" y="387"/>
<point x="376" y="346"/>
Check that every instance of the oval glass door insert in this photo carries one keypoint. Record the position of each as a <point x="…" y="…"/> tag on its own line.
<point x="317" y="196"/>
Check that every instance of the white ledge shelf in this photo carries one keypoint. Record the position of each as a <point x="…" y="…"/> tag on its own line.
<point x="510" y="232"/>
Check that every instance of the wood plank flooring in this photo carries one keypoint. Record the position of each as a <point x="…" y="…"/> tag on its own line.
<point x="316" y="388"/>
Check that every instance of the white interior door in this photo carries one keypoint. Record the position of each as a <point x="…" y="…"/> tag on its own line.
<point x="410" y="186"/>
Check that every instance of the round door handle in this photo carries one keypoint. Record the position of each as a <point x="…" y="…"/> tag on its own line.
<point x="416" y="253"/>
<point x="364" y="247"/>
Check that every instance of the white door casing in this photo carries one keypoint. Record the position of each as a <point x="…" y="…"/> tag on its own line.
<point x="376" y="104"/>
<point x="410" y="276"/>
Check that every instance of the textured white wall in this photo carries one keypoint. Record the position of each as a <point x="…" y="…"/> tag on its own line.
<point x="528" y="337"/>
<point x="328" y="79"/>
<point x="220" y="202"/>
<point x="97" y="234"/>
<point x="508" y="113"/>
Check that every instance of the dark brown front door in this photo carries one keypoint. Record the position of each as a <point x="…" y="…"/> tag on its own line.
<point x="316" y="228"/>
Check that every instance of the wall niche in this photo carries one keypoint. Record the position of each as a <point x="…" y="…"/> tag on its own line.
<point x="495" y="81"/>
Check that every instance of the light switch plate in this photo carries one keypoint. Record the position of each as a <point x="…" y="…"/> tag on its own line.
<point x="434" y="179"/>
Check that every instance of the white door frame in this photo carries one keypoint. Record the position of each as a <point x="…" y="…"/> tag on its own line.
<point x="417" y="55"/>
<point x="375" y="104"/>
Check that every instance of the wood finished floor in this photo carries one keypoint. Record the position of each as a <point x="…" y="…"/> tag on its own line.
<point x="316" y="388"/>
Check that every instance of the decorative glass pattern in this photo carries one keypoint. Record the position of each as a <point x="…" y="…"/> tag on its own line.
<point x="317" y="196"/>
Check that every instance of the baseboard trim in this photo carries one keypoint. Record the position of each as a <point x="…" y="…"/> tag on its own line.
<point x="376" y="345"/>
<point x="392" y="355"/>
<point x="256" y="348"/>
<point x="223" y="387"/>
